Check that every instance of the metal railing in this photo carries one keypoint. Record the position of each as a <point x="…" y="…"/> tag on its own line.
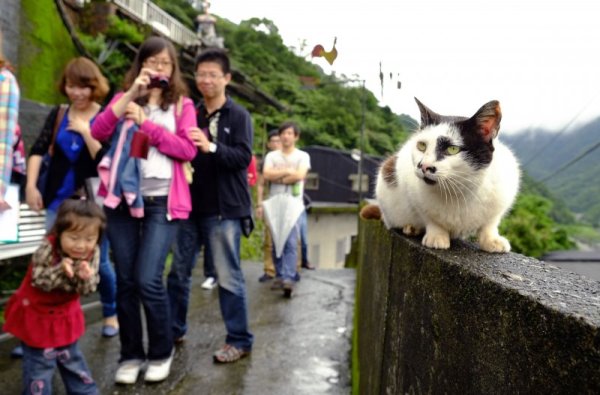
<point x="149" y="13"/>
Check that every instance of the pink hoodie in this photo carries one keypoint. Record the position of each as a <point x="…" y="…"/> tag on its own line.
<point x="177" y="146"/>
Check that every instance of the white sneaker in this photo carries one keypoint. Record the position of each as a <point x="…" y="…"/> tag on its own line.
<point x="128" y="371"/>
<point x="209" y="283"/>
<point x="159" y="370"/>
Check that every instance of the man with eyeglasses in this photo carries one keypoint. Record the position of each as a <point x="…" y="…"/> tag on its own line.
<point x="220" y="205"/>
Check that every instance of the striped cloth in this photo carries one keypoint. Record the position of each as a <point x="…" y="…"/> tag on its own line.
<point x="9" y="111"/>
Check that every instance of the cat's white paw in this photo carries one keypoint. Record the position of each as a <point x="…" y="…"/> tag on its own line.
<point x="410" y="230"/>
<point x="494" y="244"/>
<point x="440" y="241"/>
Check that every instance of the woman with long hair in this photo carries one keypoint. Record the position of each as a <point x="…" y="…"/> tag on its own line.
<point x="146" y="194"/>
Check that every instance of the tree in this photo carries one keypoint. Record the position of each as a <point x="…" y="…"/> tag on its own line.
<point x="530" y="229"/>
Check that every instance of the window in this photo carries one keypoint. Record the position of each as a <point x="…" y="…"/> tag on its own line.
<point x="311" y="182"/>
<point x="365" y="182"/>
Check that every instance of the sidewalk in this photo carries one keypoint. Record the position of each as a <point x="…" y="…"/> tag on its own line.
<point x="302" y="345"/>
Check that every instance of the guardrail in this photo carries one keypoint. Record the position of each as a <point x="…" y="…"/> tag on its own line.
<point x="149" y="13"/>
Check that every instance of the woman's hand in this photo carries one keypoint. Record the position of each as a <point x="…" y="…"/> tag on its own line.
<point x="3" y="205"/>
<point x="33" y="197"/>
<point x="135" y="112"/>
<point x="80" y="126"/>
<point x="140" y="84"/>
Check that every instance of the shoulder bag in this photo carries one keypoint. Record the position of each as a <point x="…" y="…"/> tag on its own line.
<point x="43" y="175"/>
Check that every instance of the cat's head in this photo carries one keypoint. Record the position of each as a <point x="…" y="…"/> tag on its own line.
<point x="454" y="146"/>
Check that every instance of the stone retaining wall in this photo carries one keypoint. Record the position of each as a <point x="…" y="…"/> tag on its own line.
<point x="463" y="321"/>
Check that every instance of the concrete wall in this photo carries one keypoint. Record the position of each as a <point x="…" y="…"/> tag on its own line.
<point x="463" y="321"/>
<point x="9" y="24"/>
<point x="32" y="116"/>
<point x="327" y="233"/>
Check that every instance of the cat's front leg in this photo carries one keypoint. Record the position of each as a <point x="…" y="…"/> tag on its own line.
<point x="436" y="237"/>
<point x="491" y="241"/>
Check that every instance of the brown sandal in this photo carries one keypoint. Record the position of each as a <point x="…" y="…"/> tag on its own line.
<point x="228" y="354"/>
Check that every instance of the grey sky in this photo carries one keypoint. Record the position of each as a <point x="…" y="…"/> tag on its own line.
<point x="541" y="59"/>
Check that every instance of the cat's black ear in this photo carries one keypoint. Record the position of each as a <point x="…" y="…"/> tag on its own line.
<point x="428" y="117"/>
<point x="487" y="120"/>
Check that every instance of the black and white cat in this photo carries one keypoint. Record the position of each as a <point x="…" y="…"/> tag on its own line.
<point x="451" y="179"/>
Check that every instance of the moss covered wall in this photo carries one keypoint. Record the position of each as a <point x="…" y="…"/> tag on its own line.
<point x="466" y="321"/>
<point x="44" y="48"/>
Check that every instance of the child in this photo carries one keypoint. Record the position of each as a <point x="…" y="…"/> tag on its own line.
<point x="45" y="313"/>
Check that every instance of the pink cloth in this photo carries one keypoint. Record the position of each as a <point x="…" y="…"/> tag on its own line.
<point x="178" y="146"/>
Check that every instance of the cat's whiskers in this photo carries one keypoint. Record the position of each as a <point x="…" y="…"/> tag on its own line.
<point x="458" y="181"/>
<point x="443" y="188"/>
<point x="450" y="185"/>
<point x="458" y="184"/>
<point x="453" y="184"/>
<point x="457" y="173"/>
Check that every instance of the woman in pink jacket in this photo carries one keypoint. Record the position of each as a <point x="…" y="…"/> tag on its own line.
<point x="146" y="194"/>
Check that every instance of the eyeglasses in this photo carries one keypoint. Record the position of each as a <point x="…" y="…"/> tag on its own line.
<point x="208" y="76"/>
<point x="155" y="62"/>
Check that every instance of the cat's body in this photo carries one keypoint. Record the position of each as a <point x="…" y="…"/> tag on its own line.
<point x="451" y="179"/>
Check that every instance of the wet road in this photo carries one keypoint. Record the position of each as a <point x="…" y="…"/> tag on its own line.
<point x="302" y="345"/>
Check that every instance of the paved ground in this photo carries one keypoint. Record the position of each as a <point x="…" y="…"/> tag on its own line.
<point x="302" y="345"/>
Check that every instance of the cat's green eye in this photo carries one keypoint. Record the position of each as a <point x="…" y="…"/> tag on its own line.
<point x="453" y="150"/>
<point x="421" y="146"/>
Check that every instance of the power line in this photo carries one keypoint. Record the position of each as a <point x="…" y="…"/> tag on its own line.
<point x="564" y="129"/>
<point x="573" y="161"/>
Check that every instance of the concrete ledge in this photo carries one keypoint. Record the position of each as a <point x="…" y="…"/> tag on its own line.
<point x="466" y="321"/>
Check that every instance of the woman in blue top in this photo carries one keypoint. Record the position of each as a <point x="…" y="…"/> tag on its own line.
<point x="75" y="156"/>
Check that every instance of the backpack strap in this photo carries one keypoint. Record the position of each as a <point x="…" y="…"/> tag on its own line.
<point x="60" y="114"/>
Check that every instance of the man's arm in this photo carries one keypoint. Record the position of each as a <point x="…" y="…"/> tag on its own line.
<point x="295" y="176"/>
<point x="238" y="154"/>
<point x="275" y="175"/>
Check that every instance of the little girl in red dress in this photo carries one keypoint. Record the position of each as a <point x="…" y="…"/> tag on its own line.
<point x="45" y="312"/>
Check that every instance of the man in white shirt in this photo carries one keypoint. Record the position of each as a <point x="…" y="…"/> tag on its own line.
<point x="286" y="169"/>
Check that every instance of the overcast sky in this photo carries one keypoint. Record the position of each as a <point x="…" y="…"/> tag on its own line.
<point x="541" y="59"/>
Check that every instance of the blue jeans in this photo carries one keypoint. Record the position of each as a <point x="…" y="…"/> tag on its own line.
<point x="140" y="247"/>
<point x="222" y="236"/>
<point x="303" y="221"/>
<point x="209" y="262"/>
<point x="108" y="283"/>
<point x="285" y="265"/>
<point x="179" y="281"/>
<point x="39" y="365"/>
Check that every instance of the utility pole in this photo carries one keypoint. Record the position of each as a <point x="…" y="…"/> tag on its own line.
<point x="361" y="142"/>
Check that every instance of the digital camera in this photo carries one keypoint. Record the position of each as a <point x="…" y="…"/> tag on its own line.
<point x="159" y="81"/>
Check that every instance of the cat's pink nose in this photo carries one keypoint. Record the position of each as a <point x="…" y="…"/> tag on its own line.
<point x="427" y="169"/>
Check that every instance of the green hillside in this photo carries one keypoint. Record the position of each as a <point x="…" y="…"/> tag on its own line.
<point x="544" y="155"/>
<point x="329" y="110"/>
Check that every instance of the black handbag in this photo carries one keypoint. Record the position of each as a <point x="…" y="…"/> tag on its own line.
<point x="42" y="180"/>
<point x="44" y="172"/>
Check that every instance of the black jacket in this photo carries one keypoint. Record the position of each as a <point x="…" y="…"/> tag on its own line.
<point x="220" y="185"/>
<point x="85" y="166"/>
